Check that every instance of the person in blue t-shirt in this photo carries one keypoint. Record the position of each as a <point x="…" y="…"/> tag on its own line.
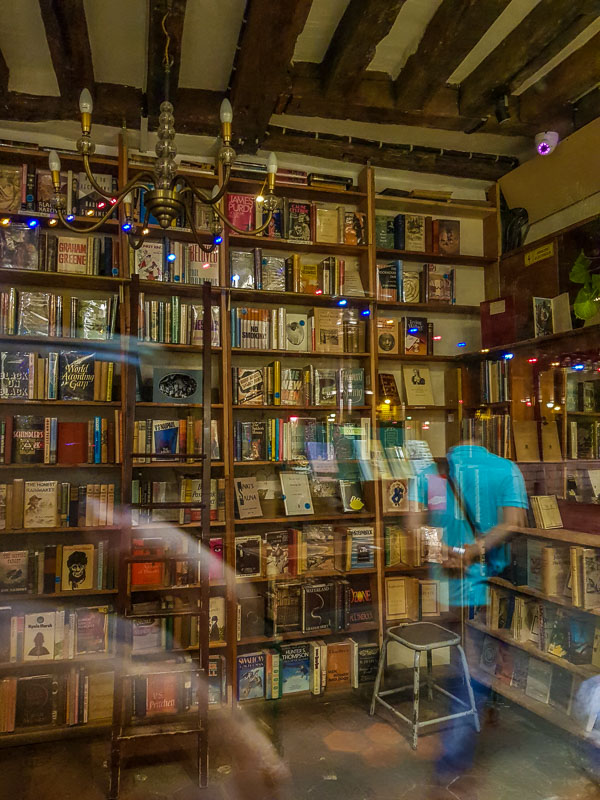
<point x="484" y="501"/>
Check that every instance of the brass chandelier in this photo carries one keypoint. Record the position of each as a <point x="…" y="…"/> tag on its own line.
<point x="168" y="195"/>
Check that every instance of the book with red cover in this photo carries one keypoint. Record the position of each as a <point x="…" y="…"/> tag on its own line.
<point x="216" y="567"/>
<point x="72" y="443"/>
<point x="148" y="573"/>
<point x="161" y="693"/>
<point x="240" y="210"/>
<point x="498" y="322"/>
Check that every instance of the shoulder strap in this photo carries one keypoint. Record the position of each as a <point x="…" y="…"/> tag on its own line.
<point x="463" y="507"/>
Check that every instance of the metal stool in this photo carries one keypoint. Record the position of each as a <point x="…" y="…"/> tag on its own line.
<point x="426" y="636"/>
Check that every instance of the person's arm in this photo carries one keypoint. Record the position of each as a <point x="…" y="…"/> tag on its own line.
<point x="513" y="518"/>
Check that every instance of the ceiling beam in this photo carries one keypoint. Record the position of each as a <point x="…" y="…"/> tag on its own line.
<point x="391" y="156"/>
<point x="547" y="20"/>
<point x="587" y="108"/>
<point x="452" y="33"/>
<point x="352" y="48"/>
<point x="265" y="50"/>
<point x="373" y="99"/>
<point x="155" y="76"/>
<point x="574" y="77"/>
<point x="67" y="34"/>
<point x="4" y="75"/>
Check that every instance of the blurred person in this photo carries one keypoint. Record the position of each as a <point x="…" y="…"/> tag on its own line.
<point x="483" y="503"/>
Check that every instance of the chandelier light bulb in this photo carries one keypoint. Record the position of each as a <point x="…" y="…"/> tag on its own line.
<point x="272" y="164"/>
<point x="215" y="190"/>
<point x="226" y="111"/>
<point x="53" y="161"/>
<point x="86" y="104"/>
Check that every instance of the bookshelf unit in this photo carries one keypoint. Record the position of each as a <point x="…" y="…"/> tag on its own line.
<point x="455" y="397"/>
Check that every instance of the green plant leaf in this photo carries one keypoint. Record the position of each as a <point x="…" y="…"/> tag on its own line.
<point x="585" y="305"/>
<point x="580" y="272"/>
<point x="595" y="284"/>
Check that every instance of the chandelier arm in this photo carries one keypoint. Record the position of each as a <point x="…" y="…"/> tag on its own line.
<point x="128" y="186"/>
<point x="208" y="198"/>
<point x="91" y="228"/>
<point x="205" y="248"/>
<point x="252" y="232"/>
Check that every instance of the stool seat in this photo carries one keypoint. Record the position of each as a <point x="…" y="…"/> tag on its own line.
<point x="423" y="636"/>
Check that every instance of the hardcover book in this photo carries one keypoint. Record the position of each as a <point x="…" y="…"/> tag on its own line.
<point x="36" y="701"/>
<point x="76" y="380"/>
<point x="388" y="281"/>
<point x="328" y="330"/>
<point x="298" y="221"/>
<point x="446" y="236"/>
<point x="539" y="676"/>
<point x="339" y="665"/>
<point x="384" y="232"/>
<point x="240" y="210"/>
<point x="28" y="439"/>
<point x="93" y="319"/>
<point x="417" y="385"/>
<point x="15" y="374"/>
<point x="415" y="335"/>
<point x="14" y="570"/>
<point x="355" y="228"/>
<point x="395" y="495"/>
<point x="78" y="562"/>
<point x="250" y="616"/>
<point x="149" y="261"/>
<point x="91" y="635"/>
<point x="40" y="504"/>
<point x="277" y="554"/>
<point x="296" y="495"/>
<point x="241" y="269"/>
<point x="361" y="600"/>
<point x="38" y="636"/>
<point x="387" y="336"/>
<point x="18" y="246"/>
<point x="388" y="389"/>
<point x="316" y="607"/>
<point x="414" y="232"/>
<point x="247" y="501"/>
<point x="366" y="663"/>
<point x="177" y="385"/>
<point x="296" y="331"/>
<point x="216" y="618"/>
<point x="317" y="548"/>
<point x="295" y="668"/>
<point x="11" y="178"/>
<point x="273" y="274"/>
<point x="250" y="676"/>
<point x="248" y="556"/>
<point x="72" y="255"/>
<point x="411" y="287"/>
<point x="361" y="547"/>
<point x="250" y="386"/>
<point x="34" y="314"/>
<point x="161" y="693"/>
<point x="165" y="438"/>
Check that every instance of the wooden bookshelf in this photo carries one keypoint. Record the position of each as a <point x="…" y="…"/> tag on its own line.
<point x="439" y="258"/>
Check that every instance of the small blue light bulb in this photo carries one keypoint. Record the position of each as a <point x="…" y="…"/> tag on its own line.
<point x="171" y="257"/>
<point x="365" y="312"/>
<point x="508" y="356"/>
<point x="70" y="217"/>
<point x="342" y="302"/>
<point x="218" y="240"/>
<point x="461" y="344"/>
<point x="33" y="223"/>
<point x="126" y="227"/>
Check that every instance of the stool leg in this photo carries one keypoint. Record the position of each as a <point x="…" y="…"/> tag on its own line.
<point x="416" y="689"/>
<point x="467" y="675"/>
<point x="430" y="674"/>
<point x="379" y="675"/>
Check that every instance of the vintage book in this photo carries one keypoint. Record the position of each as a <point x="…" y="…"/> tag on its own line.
<point x="414" y="227"/>
<point x="76" y="370"/>
<point x="384" y="232"/>
<point x="249" y="385"/>
<point x="40" y="504"/>
<point x="247" y="501"/>
<point x="316" y="549"/>
<point x="316" y="606"/>
<point x="526" y="440"/>
<point x="388" y="389"/>
<point x="355" y="228"/>
<point x="551" y="315"/>
<point x="273" y="274"/>
<point x="36" y="701"/>
<point x="299" y="221"/>
<point x="395" y="495"/>
<point x="539" y="676"/>
<point x="72" y="443"/>
<point x="16" y="374"/>
<point x="251" y="612"/>
<point x="415" y="335"/>
<point x="296" y="332"/>
<point x="161" y="693"/>
<point x="217" y="680"/>
<point x="328" y="330"/>
<point x="164" y="438"/>
<point x="38" y="636"/>
<point x="551" y="450"/>
<point x="14" y="570"/>
<point x="360" y="547"/>
<point x="149" y="261"/>
<point x="242" y="269"/>
<point x="295" y="667"/>
<point x="239" y="208"/>
<point x="101" y="686"/>
<point x="546" y="511"/>
<point x="389" y="280"/>
<point x="489" y="655"/>
<point x="535" y="549"/>
<point x="366" y="663"/>
<point x="396" y="606"/>
<point x="411" y="287"/>
<point x="91" y="634"/>
<point x="72" y="255"/>
<point x="77" y="568"/>
<point x="387" y="336"/>
<point x="590" y="579"/>
<point x="361" y="608"/>
<point x="446" y="236"/>
<point x="34" y="313"/>
<point x="296" y="495"/>
<point x="248" y="556"/>
<point x="279" y="554"/>
<point x="250" y="671"/>
<point x="19" y="246"/>
<point x="555" y="570"/>
<point x="216" y="618"/>
<point x="11" y="178"/>
<point x="339" y="665"/>
<point x="417" y="386"/>
<point x="438" y="284"/>
<point x="27" y="439"/>
<point x="177" y="385"/>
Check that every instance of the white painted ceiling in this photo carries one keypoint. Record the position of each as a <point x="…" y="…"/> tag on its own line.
<point x="322" y="21"/>
<point x="118" y="48"/>
<point x="24" y="46"/>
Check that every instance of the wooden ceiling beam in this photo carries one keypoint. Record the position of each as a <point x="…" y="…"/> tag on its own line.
<point x="391" y="156"/>
<point x="155" y="75"/>
<point x="534" y="35"/>
<point x="4" y="75"/>
<point x="67" y="34"/>
<point x="373" y="99"/>
<point x="587" y="108"/>
<point x="574" y="77"/>
<point x="352" y="48"/>
<point x="261" y="70"/>
<point x="452" y="33"/>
